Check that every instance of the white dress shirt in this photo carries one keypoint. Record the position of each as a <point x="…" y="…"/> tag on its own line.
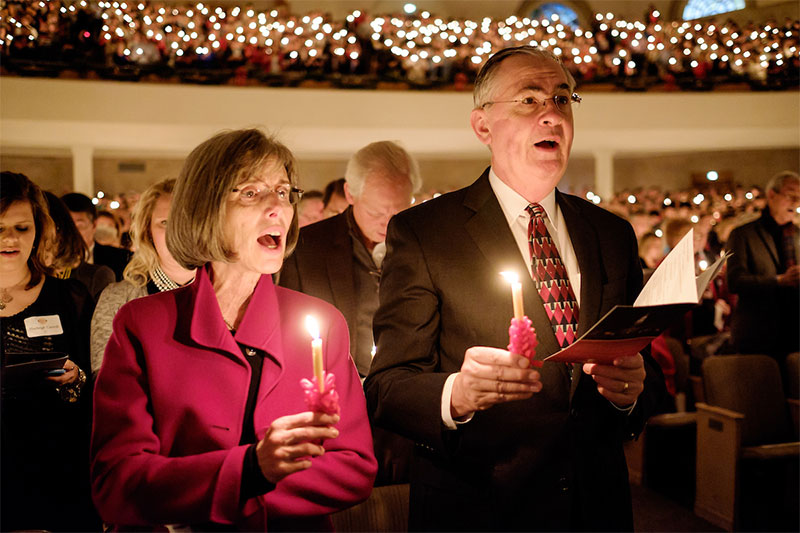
<point x="514" y="205"/>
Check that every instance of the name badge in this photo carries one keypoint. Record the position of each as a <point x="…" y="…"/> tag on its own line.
<point x="39" y="326"/>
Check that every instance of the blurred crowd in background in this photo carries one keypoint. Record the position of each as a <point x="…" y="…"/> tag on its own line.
<point x="193" y="42"/>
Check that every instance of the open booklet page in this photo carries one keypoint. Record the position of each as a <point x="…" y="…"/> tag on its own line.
<point x="673" y="281"/>
<point x="625" y="330"/>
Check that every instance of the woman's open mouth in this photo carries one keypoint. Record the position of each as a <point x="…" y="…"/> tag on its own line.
<point x="271" y="240"/>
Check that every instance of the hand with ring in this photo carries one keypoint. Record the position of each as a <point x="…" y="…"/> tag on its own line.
<point x="621" y="382"/>
<point x="70" y="375"/>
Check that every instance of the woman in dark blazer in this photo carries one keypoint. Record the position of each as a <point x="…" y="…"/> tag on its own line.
<point x="200" y="419"/>
<point x="45" y="416"/>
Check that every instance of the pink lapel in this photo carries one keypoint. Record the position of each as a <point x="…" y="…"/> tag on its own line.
<point x="260" y="326"/>
<point x="207" y="326"/>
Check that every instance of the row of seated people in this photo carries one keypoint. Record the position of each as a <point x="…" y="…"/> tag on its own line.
<point x="153" y="269"/>
<point x="424" y="50"/>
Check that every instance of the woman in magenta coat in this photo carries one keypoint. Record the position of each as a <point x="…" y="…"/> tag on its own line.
<point x="200" y="419"/>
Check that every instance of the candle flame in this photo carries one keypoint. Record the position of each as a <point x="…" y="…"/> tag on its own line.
<point x="510" y="277"/>
<point x="312" y="326"/>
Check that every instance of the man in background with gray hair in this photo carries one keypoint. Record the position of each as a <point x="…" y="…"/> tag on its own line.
<point x="764" y="271"/>
<point x="339" y="260"/>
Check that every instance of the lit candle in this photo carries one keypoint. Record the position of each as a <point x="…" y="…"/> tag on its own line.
<point x="316" y="350"/>
<point x="516" y="293"/>
<point x="521" y="333"/>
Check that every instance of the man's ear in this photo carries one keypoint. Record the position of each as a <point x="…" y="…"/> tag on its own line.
<point x="480" y="126"/>
<point x="347" y="196"/>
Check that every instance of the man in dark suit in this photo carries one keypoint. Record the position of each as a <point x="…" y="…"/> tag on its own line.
<point x="339" y="260"/>
<point x="84" y="213"/>
<point x="502" y="445"/>
<point x="764" y="271"/>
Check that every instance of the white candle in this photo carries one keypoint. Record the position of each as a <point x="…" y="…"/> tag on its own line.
<point x="316" y="350"/>
<point x="516" y="293"/>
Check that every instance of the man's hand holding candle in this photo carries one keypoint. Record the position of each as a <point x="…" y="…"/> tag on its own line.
<point x="490" y="376"/>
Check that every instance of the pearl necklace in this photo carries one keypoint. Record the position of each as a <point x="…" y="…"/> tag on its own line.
<point x="162" y="281"/>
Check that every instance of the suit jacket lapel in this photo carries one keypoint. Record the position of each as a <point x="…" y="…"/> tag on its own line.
<point x="587" y="251"/>
<point x="489" y="230"/>
<point x="340" y="274"/>
<point x="584" y="241"/>
<point x="769" y="242"/>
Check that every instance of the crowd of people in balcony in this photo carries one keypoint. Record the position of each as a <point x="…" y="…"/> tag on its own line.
<point x="244" y="44"/>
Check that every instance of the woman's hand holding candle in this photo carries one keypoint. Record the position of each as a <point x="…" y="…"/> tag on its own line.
<point x="292" y="441"/>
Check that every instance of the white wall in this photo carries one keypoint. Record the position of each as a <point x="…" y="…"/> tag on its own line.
<point x="98" y="119"/>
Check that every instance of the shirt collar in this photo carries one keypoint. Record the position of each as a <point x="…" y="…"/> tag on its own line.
<point x="770" y="223"/>
<point x="356" y="233"/>
<point x="514" y="204"/>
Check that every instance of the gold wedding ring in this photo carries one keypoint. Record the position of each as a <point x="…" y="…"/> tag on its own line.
<point x="625" y="386"/>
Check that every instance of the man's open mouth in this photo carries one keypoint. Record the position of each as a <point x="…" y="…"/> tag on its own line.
<point x="547" y="144"/>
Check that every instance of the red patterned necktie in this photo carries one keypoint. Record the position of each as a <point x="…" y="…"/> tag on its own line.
<point x="551" y="279"/>
<point x="789" y="250"/>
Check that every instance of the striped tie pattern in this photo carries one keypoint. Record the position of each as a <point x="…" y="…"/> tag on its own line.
<point x="551" y="279"/>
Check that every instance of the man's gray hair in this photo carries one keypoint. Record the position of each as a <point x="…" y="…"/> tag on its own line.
<point x="387" y="156"/>
<point x="484" y="83"/>
<point x="778" y="181"/>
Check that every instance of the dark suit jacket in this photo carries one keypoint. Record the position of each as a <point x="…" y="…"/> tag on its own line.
<point x="322" y="266"/>
<point x="552" y="462"/>
<point x="766" y="315"/>
<point x="114" y="258"/>
<point x="94" y="277"/>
